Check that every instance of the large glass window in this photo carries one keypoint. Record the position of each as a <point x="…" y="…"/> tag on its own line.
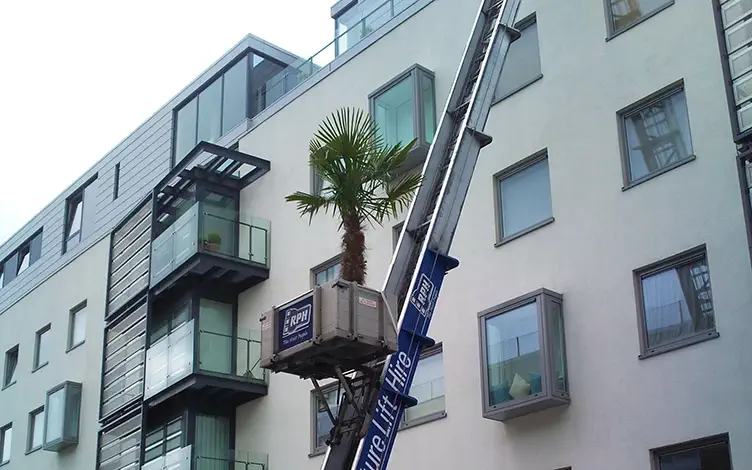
<point x="523" y="197"/>
<point x="657" y="137"/>
<point x="625" y="13"/>
<point x="234" y="100"/>
<point x="210" y="112"/>
<point x="216" y="336"/>
<point x="522" y="65"/>
<point x="676" y="302"/>
<point x="185" y="134"/>
<point x="167" y="320"/>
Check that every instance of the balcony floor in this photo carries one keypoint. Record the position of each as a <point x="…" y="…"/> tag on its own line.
<point x="203" y="387"/>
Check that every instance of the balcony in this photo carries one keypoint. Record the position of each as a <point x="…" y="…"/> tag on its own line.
<point x="207" y="365"/>
<point x="214" y="244"/>
<point x="183" y="458"/>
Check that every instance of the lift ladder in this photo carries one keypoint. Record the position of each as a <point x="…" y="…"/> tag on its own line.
<point x="374" y="401"/>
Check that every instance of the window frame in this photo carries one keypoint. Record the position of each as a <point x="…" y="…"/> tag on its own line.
<point x="3" y="436"/>
<point x="687" y="446"/>
<point x="161" y="428"/>
<point x="8" y="354"/>
<point x="71" y="410"/>
<point x="396" y="233"/>
<point x="31" y="247"/>
<point x="521" y="25"/>
<point x="436" y="349"/>
<point x="31" y="428"/>
<point x="612" y="32"/>
<point x="116" y="182"/>
<point x="621" y="117"/>
<point x="37" y="342"/>
<point x="672" y="262"/>
<point x="333" y="261"/>
<point x="71" y="202"/>
<point x="507" y="172"/>
<point x="72" y="315"/>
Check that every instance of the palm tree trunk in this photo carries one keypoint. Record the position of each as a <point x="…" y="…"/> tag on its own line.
<point x="353" y="250"/>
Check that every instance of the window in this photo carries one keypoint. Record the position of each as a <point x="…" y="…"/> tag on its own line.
<point x="167" y="320"/>
<point x="163" y="440"/>
<point x="6" y="435"/>
<point x="42" y="347"/>
<point x="523" y="197"/>
<point x="523" y="356"/>
<point x="428" y="388"/>
<point x="675" y="302"/>
<point x="733" y="17"/>
<point x="404" y="110"/>
<point x="655" y="135"/>
<point x="79" y="213"/>
<point x="26" y="255"/>
<point x="11" y="364"/>
<point x="623" y="14"/>
<point x="36" y="430"/>
<point x="62" y="416"/>
<point x="522" y="65"/>
<point x="116" y="183"/>
<point x="322" y="424"/>
<point x="77" y="325"/>
<point x="326" y="271"/>
<point x="707" y="453"/>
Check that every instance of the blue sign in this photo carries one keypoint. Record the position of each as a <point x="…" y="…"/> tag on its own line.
<point x="296" y="323"/>
<point x="377" y="444"/>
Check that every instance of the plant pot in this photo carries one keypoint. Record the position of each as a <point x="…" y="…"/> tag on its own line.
<point x="211" y="246"/>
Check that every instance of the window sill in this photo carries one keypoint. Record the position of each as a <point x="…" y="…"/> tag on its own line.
<point x="613" y="34"/>
<point x="518" y="89"/>
<point x="39" y="367"/>
<point x="8" y="385"/>
<point x="524" y="232"/>
<point x="32" y="450"/>
<point x="648" y="177"/>
<point x="74" y="346"/>
<point x="317" y="452"/>
<point x="698" y="338"/>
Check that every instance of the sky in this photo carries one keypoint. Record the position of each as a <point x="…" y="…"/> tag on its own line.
<point x="78" y="76"/>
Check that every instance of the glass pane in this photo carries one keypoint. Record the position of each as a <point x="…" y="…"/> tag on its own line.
<point x="43" y="348"/>
<point x="78" y="333"/>
<point x="185" y="138"/>
<point x="713" y="457"/>
<point x="74" y="216"/>
<point x="427" y="388"/>
<point x="220" y="224"/>
<point x="269" y="83"/>
<point x="72" y="413"/>
<point x="678" y="303"/>
<point x="627" y="12"/>
<point x="24" y="261"/>
<point x="55" y="415"/>
<point x="6" y="439"/>
<point x="513" y="354"/>
<point x="429" y="108"/>
<point x="209" y="112"/>
<point x="525" y="198"/>
<point x="37" y="429"/>
<point x="658" y="136"/>
<point x="735" y="10"/>
<point x="394" y="113"/>
<point x="739" y="36"/>
<point x="11" y="361"/>
<point x="234" y="97"/>
<point x="323" y="423"/>
<point x="216" y="339"/>
<point x="559" y="353"/>
<point x="212" y="442"/>
<point x="522" y="64"/>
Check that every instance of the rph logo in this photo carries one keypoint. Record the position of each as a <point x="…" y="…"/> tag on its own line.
<point x="424" y="296"/>
<point x="296" y="320"/>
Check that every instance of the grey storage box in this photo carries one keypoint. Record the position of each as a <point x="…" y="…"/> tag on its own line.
<point x="339" y="323"/>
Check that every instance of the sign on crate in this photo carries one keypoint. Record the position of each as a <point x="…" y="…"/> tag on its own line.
<point x="296" y="323"/>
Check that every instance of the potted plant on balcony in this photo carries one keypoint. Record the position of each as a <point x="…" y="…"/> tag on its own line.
<point x="212" y="241"/>
<point x="360" y="169"/>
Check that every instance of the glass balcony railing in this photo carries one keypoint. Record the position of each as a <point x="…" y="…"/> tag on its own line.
<point x="231" y="460"/>
<point x="297" y="73"/>
<point x="173" y="357"/>
<point x="208" y="229"/>
<point x="177" y="459"/>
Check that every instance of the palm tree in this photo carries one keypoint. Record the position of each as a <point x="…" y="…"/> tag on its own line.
<point x="362" y="181"/>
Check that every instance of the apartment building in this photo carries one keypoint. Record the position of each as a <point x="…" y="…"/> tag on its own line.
<point x="598" y="316"/>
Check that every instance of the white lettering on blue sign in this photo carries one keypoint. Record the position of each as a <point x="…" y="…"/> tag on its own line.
<point x="424" y="296"/>
<point x="296" y="319"/>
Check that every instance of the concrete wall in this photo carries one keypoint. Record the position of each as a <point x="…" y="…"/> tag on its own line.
<point x="621" y="406"/>
<point x="84" y="279"/>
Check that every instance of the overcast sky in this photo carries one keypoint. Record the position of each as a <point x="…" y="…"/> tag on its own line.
<point x="78" y="76"/>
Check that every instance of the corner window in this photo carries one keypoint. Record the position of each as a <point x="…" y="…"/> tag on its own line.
<point x="62" y="416"/>
<point x="79" y="214"/>
<point x="404" y="110"/>
<point x="321" y="422"/>
<point x="428" y="388"/>
<point x="164" y="439"/>
<point x="11" y="364"/>
<point x="523" y="197"/>
<point x="711" y="453"/>
<point x="42" y="347"/>
<point x="675" y="302"/>
<point x="623" y="14"/>
<point x="36" y="430"/>
<point x="6" y="438"/>
<point x="77" y="325"/>
<point x="326" y="271"/>
<point x="523" y="356"/>
<point x="522" y="65"/>
<point x="655" y="135"/>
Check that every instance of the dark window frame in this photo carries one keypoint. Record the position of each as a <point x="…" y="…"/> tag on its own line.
<point x="623" y="114"/>
<point x="521" y="26"/>
<point x="672" y="262"/>
<point x="333" y="261"/>
<point x="507" y="172"/>
<point x="14" y="351"/>
<point x="30" y="431"/>
<point x="24" y="248"/>
<point x="37" y="343"/>
<point x="71" y="202"/>
<point x="116" y="182"/>
<point x="687" y="446"/>
<point x="3" y="430"/>
<point x="71" y="326"/>
<point x="612" y="32"/>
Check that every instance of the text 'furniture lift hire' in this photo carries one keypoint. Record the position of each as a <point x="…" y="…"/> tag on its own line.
<point x="342" y="330"/>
